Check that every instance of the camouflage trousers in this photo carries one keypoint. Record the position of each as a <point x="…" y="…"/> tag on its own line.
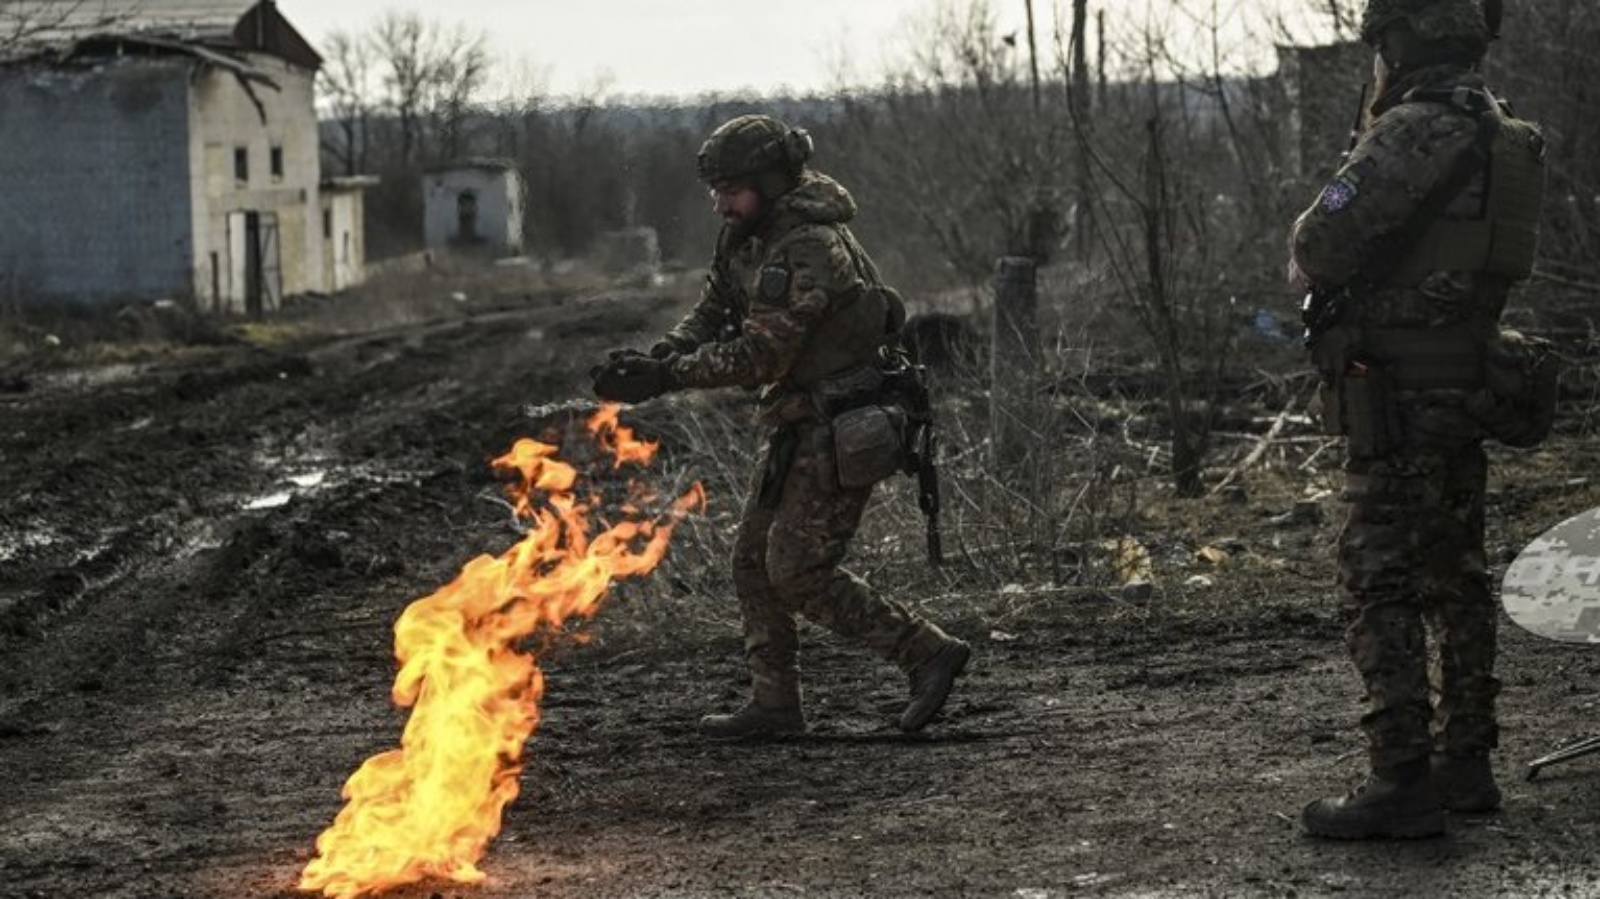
<point x="794" y="531"/>
<point x="1411" y="562"/>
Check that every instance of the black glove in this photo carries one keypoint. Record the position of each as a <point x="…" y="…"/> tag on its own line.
<point x="618" y="355"/>
<point x="633" y="379"/>
<point x="663" y="349"/>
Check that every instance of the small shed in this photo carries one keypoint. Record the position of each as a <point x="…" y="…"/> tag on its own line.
<point x="344" y="246"/>
<point x="473" y="205"/>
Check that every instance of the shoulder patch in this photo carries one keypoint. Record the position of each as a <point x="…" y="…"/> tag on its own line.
<point x="1338" y="196"/>
<point x="773" y="283"/>
<point x="1343" y="190"/>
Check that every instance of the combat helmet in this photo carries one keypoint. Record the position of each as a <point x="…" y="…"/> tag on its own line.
<point x="758" y="147"/>
<point x="1472" y="22"/>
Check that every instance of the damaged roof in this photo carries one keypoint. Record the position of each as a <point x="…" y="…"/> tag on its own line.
<point x="56" y="27"/>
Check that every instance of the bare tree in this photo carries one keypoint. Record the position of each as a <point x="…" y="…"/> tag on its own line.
<point x="1079" y="108"/>
<point x="958" y="147"/>
<point x="1186" y="163"/>
<point x="24" y="21"/>
<point x="1543" y="65"/>
<point x="349" y="98"/>
<point x="430" y="73"/>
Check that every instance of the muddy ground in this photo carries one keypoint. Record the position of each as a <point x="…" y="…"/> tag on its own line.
<point x="204" y="547"/>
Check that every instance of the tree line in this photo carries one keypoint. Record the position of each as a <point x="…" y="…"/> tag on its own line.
<point x="1149" y="158"/>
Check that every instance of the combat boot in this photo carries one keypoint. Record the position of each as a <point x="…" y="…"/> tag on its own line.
<point x="1465" y="783"/>
<point x="1397" y="802"/>
<point x="931" y="682"/>
<point x="753" y="720"/>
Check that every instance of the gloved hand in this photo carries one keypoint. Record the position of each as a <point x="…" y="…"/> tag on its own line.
<point x="633" y="379"/>
<point x="663" y="349"/>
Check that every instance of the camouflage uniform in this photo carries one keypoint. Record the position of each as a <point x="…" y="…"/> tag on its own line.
<point x="1412" y="548"/>
<point x="783" y="308"/>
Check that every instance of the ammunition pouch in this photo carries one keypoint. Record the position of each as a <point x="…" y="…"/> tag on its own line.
<point x="868" y="428"/>
<point x="1359" y="406"/>
<point x="1363" y="369"/>
<point x="880" y="416"/>
<point x="868" y="444"/>
<point x="1521" y="386"/>
<point x="846" y="390"/>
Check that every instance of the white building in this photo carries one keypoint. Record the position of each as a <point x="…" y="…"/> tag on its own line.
<point x="167" y="148"/>
<point x="473" y="205"/>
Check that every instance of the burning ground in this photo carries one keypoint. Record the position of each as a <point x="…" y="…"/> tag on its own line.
<point x="206" y="547"/>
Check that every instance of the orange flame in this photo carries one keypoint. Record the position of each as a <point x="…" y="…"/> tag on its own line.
<point x="430" y="808"/>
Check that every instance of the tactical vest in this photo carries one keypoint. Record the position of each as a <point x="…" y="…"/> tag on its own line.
<point x="855" y="327"/>
<point x="1493" y="225"/>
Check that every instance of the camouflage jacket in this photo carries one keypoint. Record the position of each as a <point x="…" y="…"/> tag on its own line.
<point x="1407" y="150"/>
<point x="784" y="305"/>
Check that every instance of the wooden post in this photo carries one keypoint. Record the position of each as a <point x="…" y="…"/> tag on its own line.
<point x="1013" y="361"/>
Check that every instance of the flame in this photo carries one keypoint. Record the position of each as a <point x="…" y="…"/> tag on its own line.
<point x="618" y="439"/>
<point x="430" y="808"/>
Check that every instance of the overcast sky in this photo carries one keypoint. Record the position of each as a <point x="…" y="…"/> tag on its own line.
<point x="686" y="47"/>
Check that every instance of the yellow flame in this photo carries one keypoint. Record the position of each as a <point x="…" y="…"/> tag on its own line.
<point x="430" y="808"/>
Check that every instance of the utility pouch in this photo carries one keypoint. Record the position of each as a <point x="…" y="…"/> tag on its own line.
<point x="1366" y="412"/>
<point x="869" y="444"/>
<point x="846" y="390"/>
<point x="1517" y="405"/>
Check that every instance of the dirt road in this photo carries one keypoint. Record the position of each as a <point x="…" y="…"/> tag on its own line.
<point x="202" y="554"/>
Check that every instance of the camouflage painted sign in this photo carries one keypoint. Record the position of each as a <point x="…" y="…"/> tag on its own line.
<point x="1552" y="588"/>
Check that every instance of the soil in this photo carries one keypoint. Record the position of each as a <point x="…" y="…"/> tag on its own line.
<point x="204" y="548"/>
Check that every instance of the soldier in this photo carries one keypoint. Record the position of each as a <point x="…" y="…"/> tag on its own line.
<point x="1410" y="252"/>
<point x="793" y="305"/>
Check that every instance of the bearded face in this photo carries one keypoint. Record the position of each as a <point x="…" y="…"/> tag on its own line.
<point x="738" y="203"/>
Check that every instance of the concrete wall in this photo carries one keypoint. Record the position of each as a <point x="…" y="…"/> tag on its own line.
<point x="1323" y="87"/>
<point x="498" y="195"/>
<point x="119" y="182"/>
<point x="344" y="250"/>
<point x="95" y="198"/>
<point x="228" y="121"/>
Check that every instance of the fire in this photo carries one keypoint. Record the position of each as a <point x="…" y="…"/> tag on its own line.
<point x="430" y="808"/>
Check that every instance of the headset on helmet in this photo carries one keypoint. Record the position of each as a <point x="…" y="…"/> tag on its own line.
<point x="750" y="145"/>
<point x="1474" y="21"/>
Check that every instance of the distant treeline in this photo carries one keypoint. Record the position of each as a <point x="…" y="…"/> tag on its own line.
<point x="963" y="155"/>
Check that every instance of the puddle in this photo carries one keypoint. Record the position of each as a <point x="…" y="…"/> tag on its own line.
<point x="301" y="483"/>
<point x="270" y="501"/>
<point x="98" y="376"/>
<point x="15" y="544"/>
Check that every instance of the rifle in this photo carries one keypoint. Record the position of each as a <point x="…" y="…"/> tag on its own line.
<point x="910" y="383"/>
<point x="1320" y="309"/>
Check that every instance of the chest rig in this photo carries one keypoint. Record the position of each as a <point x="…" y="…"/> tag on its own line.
<point x="1490" y="223"/>
<point x="859" y="320"/>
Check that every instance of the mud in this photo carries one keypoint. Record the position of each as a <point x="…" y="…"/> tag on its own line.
<point x="201" y="555"/>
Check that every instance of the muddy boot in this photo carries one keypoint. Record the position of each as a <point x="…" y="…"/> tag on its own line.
<point x="931" y="682"/>
<point x="1465" y="783"/>
<point x="774" y="706"/>
<point x="753" y="720"/>
<point x="1397" y="802"/>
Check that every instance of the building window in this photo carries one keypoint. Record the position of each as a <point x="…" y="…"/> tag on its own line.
<point x="241" y="165"/>
<point x="327" y="224"/>
<point x="277" y="163"/>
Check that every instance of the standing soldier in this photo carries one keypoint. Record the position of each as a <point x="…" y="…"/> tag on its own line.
<point x="794" y="305"/>
<point x="1409" y="254"/>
